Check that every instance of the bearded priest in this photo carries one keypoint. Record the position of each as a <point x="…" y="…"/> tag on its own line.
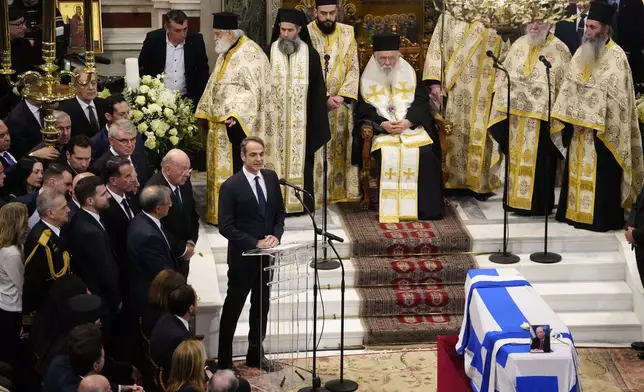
<point x="405" y="138"/>
<point x="596" y="103"/>
<point x="300" y="124"/>
<point x="234" y="103"/>
<point x="338" y="50"/>
<point x="533" y="155"/>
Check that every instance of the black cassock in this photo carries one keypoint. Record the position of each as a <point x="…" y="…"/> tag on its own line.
<point x="608" y="213"/>
<point x="545" y="150"/>
<point x="317" y="120"/>
<point x="431" y="205"/>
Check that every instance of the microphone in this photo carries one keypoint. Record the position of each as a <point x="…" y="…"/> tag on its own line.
<point x="326" y="64"/>
<point x="283" y="181"/>
<point x="545" y="62"/>
<point x="491" y="55"/>
<point x="328" y="235"/>
<point x="327" y="58"/>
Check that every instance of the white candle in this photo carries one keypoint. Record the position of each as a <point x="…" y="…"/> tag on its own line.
<point x="132" y="73"/>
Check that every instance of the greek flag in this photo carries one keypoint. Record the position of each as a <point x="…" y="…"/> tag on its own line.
<point x="497" y="348"/>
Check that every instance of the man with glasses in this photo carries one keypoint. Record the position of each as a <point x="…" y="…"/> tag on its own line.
<point x="85" y="109"/>
<point x="122" y="138"/>
<point x="182" y="221"/>
<point x="116" y="108"/>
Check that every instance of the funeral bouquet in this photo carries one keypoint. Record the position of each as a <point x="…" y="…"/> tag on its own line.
<point x="164" y="117"/>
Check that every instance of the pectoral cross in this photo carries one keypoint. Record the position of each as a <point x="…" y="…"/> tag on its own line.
<point x="375" y="93"/>
<point x="409" y="173"/>
<point x="390" y="173"/>
<point x="403" y="90"/>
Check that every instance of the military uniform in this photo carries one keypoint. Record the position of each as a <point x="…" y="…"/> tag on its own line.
<point x="47" y="260"/>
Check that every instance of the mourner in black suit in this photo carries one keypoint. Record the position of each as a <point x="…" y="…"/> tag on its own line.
<point x="58" y="153"/>
<point x="148" y="248"/>
<point x="116" y="108"/>
<point x="182" y="220"/>
<point x="9" y="163"/>
<point x="571" y="33"/>
<point x="24" y="124"/>
<point x="179" y="53"/>
<point x="46" y="257"/>
<point x="251" y="215"/>
<point x="122" y="143"/>
<point x="85" y="109"/>
<point x="93" y="258"/>
<point x="173" y="328"/>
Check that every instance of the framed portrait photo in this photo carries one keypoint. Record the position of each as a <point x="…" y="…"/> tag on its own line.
<point x="73" y="13"/>
<point x="540" y="339"/>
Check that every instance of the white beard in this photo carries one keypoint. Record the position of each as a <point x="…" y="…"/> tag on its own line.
<point x="289" y="46"/>
<point x="222" y="46"/>
<point x="538" y="38"/>
<point x="590" y="51"/>
<point x="389" y="73"/>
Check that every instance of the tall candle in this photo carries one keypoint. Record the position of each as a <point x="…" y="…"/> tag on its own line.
<point x="132" y="73"/>
<point x="49" y="22"/>
<point x="88" y="22"/>
<point x="5" y="40"/>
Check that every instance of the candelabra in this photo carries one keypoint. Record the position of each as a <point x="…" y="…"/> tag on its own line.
<point x="46" y="87"/>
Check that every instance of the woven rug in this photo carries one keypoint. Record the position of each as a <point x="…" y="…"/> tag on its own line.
<point x="601" y="370"/>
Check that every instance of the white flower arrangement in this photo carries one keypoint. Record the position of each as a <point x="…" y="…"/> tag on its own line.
<point x="165" y="118"/>
<point x="553" y="334"/>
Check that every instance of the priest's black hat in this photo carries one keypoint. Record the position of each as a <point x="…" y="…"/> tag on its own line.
<point x="325" y="2"/>
<point x="85" y="308"/>
<point x="601" y="12"/>
<point x="386" y="42"/>
<point x="294" y="16"/>
<point x="225" y="21"/>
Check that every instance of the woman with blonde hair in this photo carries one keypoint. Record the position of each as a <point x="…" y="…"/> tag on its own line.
<point x="187" y="374"/>
<point x="13" y="224"/>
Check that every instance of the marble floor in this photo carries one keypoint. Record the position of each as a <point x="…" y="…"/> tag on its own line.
<point x="595" y="289"/>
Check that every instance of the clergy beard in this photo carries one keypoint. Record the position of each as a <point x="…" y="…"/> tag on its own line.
<point x="222" y="45"/>
<point x="327" y="27"/>
<point x="537" y="38"/>
<point x="289" y="46"/>
<point x="389" y="72"/>
<point x="591" y="50"/>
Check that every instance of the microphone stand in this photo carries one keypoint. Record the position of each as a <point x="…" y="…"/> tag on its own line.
<point x="325" y="264"/>
<point x="315" y="379"/>
<point x="546" y="257"/>
<point x="504" y="257"/>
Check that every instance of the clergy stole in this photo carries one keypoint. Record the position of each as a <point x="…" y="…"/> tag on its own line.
<point x="528" y="108"/>
<point x="599" y="101"/>
<point x="238" y="87"/>
<point x="342" y="79"/>
<point x="290" y="84"/>
<point x="400" y="155"/>
<point x="469" y="80"/>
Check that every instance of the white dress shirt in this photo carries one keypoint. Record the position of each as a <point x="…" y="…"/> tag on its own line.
<point x="175" y="69"/>
<point x="76" y="202"/>
<point x="119" y="199"/>
<point x="251" y="180"/>
<point x="158" y="223"/>
<point x="53" y="228"/>
<point x="129" y="157"/>
<point x="173" y="187"/>
<point x="184" y="322"/>
<point x="84" y="106"/>
<point x="95" y="216"/>
<point x="35" y="110"/>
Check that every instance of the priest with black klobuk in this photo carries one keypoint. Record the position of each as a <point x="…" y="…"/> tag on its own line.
<point x="299" y="120"/>
<point x="405" y="137"/>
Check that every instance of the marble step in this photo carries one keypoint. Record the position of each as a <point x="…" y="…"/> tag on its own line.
<point x="571" y="297"/>
<point x="588" y="329"/>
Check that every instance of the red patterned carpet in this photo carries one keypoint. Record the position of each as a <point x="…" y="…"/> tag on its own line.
<point x="409" y="275"/>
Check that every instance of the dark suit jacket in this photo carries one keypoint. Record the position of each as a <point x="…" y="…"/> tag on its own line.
<point x="140" y="161"/>
<point x="167" y="334"/>
<point x="567" y="31"/>
<point x="536" y="343"/>
<point x="73" y="210"/>
<point x="94" y="260"/>
<point x="101" y="144"/>
<point x="80" y="123"/>
<point x="182" y="220"/>
<point x="240" y="219"/>
<point x="38" y="278"/>
<point x="14" y="176"/>
<point x="60" y="376"/>
<point x="29" y="200"/>
<point x="148" y="254"/>
<point x="24" y="130"/>
<point x="152" y="60"/>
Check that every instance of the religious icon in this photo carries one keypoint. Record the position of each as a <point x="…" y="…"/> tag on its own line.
<point x="540" y="339"/>
<point x="73" y="13"/>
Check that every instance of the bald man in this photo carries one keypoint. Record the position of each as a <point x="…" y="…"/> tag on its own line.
<point x="182" y="221"/>
<point x="94" y="383"/>
<point x="73" y="204"/>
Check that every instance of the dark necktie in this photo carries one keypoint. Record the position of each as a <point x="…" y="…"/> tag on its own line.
<point x="540" y="344"/>
<point x="41" y="117"/>
<point x="92" y="119"/>
<point x="100" y="220"/>
<point x="581" y="28"/>
<point x="178" y="195"/>
<point x="10" y="161"/>
<point x="260" y="196"/>
<point x="126" y="206"/>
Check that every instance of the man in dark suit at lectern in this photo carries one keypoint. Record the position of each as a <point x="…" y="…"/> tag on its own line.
<point x="251" y="215"/>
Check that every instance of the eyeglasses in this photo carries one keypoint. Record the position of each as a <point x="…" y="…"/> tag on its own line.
<point x="19" y="24"/>
<point x="125" y="141"/>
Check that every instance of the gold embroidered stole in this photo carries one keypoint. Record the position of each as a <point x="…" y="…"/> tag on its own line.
<point x="400" y="154"/>
<point x="290" y="83"/>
